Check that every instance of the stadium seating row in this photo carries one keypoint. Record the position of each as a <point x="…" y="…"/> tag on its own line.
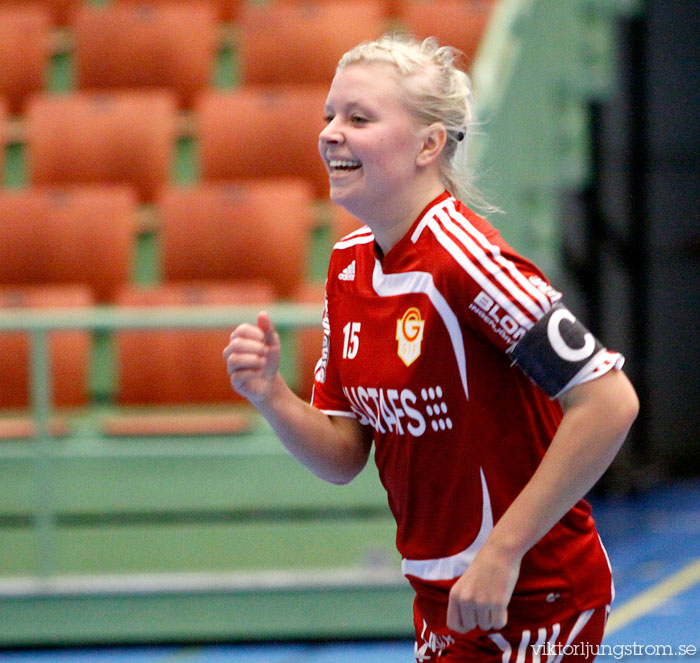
<point x="129" y="137"/>
<point x="221" y="244"/>
<point x="62" y="12"/>
<point x="174" y="45"/>
<point x="249" y="230"/>
<point x="96" y="154"/>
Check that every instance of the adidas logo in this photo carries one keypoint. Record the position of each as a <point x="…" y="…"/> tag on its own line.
<point x="348" y="274"/>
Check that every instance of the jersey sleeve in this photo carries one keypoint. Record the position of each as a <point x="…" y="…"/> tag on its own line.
<point x="503" y="294"/>
<point x="512" y="305"/>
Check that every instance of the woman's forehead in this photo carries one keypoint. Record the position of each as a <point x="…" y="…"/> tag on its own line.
<point x="368" y="81"/>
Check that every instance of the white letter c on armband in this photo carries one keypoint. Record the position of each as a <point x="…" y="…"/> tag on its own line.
<point x="561" y="347"/>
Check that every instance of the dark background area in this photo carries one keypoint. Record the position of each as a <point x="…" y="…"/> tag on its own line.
<point x="632" y="238"/>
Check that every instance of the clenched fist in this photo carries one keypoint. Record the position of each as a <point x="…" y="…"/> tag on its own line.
<point x="252" y="358"/>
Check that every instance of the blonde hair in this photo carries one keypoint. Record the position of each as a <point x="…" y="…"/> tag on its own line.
<point x="436" y="90"/>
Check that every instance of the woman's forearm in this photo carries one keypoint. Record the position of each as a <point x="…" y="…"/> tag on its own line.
<point x="334" y="448"/>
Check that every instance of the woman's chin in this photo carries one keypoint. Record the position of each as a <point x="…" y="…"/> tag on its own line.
<point x="340" y="193"/>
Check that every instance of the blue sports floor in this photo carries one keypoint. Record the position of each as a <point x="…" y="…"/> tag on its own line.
<point x="654" y="547"/>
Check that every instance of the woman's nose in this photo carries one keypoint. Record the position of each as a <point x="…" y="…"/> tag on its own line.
<point x="330" y="133"/>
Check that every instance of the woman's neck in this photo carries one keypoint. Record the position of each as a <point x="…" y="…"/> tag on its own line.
<point x="389" y="227"/>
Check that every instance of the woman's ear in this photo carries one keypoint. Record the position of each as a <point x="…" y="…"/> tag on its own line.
<point x="434" y="139"/>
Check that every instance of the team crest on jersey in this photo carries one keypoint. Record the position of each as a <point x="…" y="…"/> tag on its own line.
<point x="409" y="334"/>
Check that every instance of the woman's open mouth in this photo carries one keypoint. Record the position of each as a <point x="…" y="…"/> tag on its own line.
<point x="343" y="165"/>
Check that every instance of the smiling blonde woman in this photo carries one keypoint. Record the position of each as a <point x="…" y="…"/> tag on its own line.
<point x="491" y="409"/>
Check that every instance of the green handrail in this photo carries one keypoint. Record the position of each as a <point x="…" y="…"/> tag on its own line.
<point x="40" y="322"/>
<point x="106" y="318"/>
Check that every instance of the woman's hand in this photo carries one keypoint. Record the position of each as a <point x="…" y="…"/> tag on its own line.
<point x="252" y="359"/>
<point x="481" y="595"/>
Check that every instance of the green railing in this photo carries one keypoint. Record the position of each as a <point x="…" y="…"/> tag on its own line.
<point x="38" y="323"/>
<point x="257" y="528"/>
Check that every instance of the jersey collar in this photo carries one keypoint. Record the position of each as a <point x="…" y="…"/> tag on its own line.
<point x="405" y="244"/>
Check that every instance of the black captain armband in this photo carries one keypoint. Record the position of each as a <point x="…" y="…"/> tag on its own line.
<point x="557" y="351"/>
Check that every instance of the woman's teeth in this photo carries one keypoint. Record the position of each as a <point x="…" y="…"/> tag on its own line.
<point x="344" y="164"/>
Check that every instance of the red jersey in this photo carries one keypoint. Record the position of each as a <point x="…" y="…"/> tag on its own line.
<point x="416" y="347"/>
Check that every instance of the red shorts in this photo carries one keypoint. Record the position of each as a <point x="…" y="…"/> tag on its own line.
<point x="572" y="638"/>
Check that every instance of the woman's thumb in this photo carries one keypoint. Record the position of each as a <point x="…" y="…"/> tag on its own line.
<point x="266" y="326"/>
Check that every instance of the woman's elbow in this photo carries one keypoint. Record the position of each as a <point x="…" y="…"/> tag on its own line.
<point x="610" y="400"/>
<point x="354" y="443"/>
<point x="342" y="479"/>
<point x="623" y="406"/>
<point x="344" y="475"/>
<point x="630" y="404"/>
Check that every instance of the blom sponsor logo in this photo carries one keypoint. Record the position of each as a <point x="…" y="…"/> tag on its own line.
<point x="496" y="318"/>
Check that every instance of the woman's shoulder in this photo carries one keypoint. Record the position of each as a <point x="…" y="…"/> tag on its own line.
<point x="361" y="236"/>
<point x="347" y="251"/>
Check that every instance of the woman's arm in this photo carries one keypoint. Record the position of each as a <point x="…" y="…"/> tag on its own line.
<point x="597" y="417"/>
<point x="334" y="448"/>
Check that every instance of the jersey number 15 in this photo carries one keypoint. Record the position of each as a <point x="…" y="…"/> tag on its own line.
<point x="351" y="340"/>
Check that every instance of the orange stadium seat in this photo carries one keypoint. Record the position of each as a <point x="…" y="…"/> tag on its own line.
<point x="25" y="33"/>
<point x="395" y="7"/>
<point x="301" y="43"/>
<point x="224" y="10"/>
<point x="256" y="132"/>
<point x="60" y="12"/>
<point x="69" y="351"/>
<point x="390" y="8"/>
<point x="78" y="235"/>
<point x="179" y="366"/>
<point x="231" y="10"/>
<point x="117" y="137"/>
<point x="155" y="45"/>
<point x="237" y="231"/>
<point x="458" y="23"/>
